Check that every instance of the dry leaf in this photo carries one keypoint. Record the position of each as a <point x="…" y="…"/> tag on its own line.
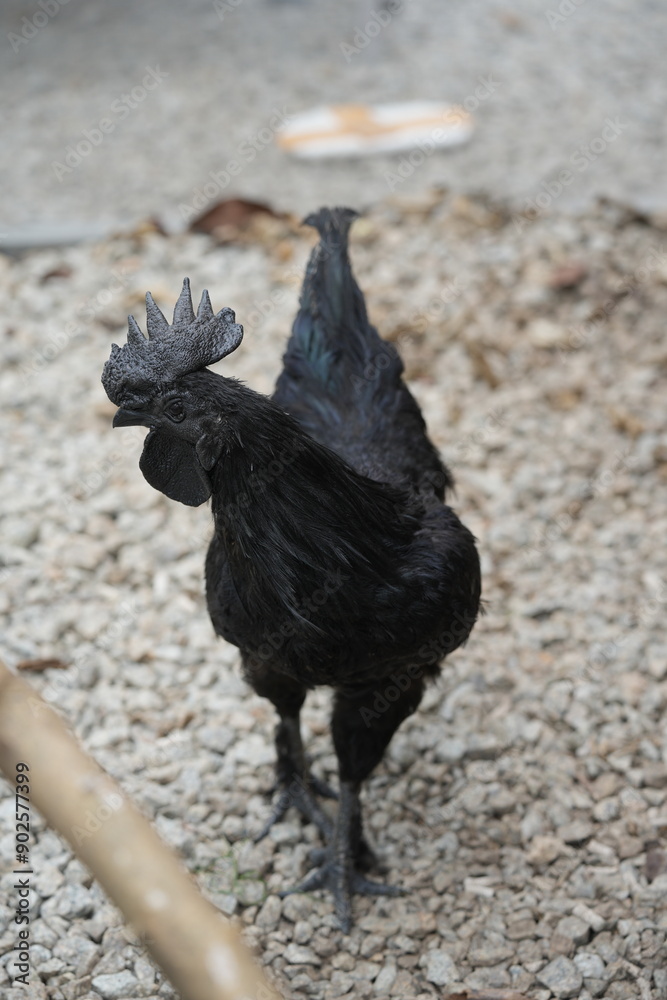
<point x="64" y="271"/>
<point x="38" y="666"/>
<point x="236" y="213"/>
<point x="480" y="365"/>
<point x="626" y="422"/>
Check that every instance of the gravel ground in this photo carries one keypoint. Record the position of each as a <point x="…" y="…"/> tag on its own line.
<point x="541" y="84"/>
<point x="524" y="806"/>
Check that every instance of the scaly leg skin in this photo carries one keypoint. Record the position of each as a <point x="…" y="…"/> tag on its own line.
<point x="339" y="872"/>
<point x="296" y="784"/>
<point x="361" y="736"/>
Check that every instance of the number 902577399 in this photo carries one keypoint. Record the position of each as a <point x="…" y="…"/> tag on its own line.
<point x="22" y="813"/>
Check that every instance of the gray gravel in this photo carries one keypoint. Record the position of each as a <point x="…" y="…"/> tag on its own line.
<point x="524" y="808"/>
<point x="550" y="84"/>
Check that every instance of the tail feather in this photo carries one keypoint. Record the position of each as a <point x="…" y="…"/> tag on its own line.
<point x="342" y="382"/>
<point x="329" y="293"/>
<point x="332" y="339"/>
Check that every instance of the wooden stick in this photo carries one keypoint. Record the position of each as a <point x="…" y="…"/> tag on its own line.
<point x="200" y="952"/>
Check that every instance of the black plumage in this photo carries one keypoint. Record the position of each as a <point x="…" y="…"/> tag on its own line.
<point x="334" y="559"/>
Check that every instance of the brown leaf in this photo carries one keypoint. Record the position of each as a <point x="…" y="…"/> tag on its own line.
<point x="63" y="271"/>
<point x="480" y="365"/>
<point x="626" y="422"/>
<point x="38" y="666"/>
<point x="234" y="212"/>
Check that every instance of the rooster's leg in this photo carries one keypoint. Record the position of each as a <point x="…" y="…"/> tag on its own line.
<point x="297" y="786"/>
<point x="339" y="873"/>
<point x="361" y="735"/>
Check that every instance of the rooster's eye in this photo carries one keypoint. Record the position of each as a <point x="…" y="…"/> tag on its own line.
<point x="175" y="410"/>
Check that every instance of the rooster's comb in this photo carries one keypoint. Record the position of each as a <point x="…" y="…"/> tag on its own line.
<point x="186" y="345"/>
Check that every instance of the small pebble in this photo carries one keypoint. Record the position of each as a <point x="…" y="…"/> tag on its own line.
<point x="116" y="986"/>
<point x="562" y="977"/>
<point x="440" y="968"/>
<point x="384" y="980"/>
<point x="298" y="955"/>
<point x="590" y="965"/>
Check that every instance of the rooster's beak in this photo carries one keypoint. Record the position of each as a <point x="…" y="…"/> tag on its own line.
<point x="130" y="418"/>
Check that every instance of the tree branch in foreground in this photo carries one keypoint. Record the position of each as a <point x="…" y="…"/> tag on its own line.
<point x="200" y="952"/>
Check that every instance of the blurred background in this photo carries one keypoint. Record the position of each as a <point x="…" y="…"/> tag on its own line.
<point x="568" y="85"/>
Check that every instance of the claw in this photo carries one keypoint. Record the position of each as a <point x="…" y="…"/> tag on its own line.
<point x="343" y="882"/>
<point x="318" y="856"/>
<point x="339" y="864"/>
<point x="297" y="786"/>
<point x="279" y="810"/>
<point x="321" y="788"/>
<point x="299" y="795"/>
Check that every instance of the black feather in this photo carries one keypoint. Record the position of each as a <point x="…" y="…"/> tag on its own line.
<point x="343" y="382"/>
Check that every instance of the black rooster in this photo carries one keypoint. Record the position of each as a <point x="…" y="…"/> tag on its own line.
<point x="334" y="560"/>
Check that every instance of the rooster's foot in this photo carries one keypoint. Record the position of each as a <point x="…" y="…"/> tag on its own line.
<point x="299" y="793"/>
<point x="343" y="881"/>
<point x="364" y="857"/>
<point x="321" y="788"/>
<point x="296" y="785"/>
<point x="346" y="853"/>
